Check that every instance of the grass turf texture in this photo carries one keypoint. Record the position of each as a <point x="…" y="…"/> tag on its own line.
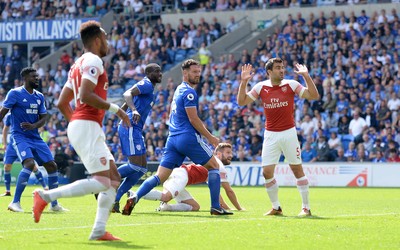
<point x="343" y="218"/>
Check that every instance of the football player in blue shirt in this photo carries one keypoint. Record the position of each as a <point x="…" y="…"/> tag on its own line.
<point x="10" y="156"/>
<point x="28" y="113"/>
<point x="138" y="100"/>
<point x="185" y="140"/>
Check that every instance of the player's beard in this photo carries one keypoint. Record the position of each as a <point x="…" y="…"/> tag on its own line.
<point x="34" y="84"/>
<point x="194" y="80"/>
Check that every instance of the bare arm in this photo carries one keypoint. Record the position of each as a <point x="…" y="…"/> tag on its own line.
<point x="231" y="195"/>
<point x="134" y="91"/>
<point x="88" y="96"/>
<point x="242" y="97"/>
<point x="311" y="92"/>
<point x="3" y="112"/>
<point x="199" y="126"/>
<point x="66" y="97"/>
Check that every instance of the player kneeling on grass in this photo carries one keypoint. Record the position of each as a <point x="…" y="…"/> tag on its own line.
<point x="174" y="187"/>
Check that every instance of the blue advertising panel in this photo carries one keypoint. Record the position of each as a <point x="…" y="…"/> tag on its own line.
<point x="41" y="30"/>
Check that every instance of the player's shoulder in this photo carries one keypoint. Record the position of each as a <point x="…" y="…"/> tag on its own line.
<point x="90" y="59"/>
<point x="38" y="93"/>
<point x="264" y="83"/>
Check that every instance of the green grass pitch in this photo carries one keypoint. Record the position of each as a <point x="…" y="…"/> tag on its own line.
<point x="343" y="218"/>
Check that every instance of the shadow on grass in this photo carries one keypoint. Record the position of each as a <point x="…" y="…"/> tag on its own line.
<point x="192" y="214"/>
<point x="117" y="244"/>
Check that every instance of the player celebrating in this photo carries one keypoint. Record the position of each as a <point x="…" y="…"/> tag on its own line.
<point x="185" y="139"/>
<point x="10" y="156"/>
<point x="87" y="86"/>
<point x="28" y="113"/>
<point x="277" y="96"/>
<point x="139" y="100"/>
<point x="174" y="187"/>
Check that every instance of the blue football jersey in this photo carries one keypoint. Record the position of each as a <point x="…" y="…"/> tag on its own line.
<point x="143" y="102"/>
<point x="184" y="97"/>
<point x="24" y="107"/>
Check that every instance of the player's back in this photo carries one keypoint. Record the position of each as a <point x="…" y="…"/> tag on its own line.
<point x="25" y="107"/>
<point x="196" y="173"/>
<point x="184" y="96"/>
<point x="143" y="102"/>
<point x="88" y="66"/>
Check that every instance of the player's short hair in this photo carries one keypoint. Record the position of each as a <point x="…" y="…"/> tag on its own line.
<point x="150" y="68"/>
<point x="221" y="146"/>
<point x="187" y="63"/>
<point x="26" y="71"/>
<point x="270" y="63"/>
<point x="89" y="30"/>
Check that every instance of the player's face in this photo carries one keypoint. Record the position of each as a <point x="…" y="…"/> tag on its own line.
<point x="226" y="156"/>
<point x="193" y="74"/>
<point x="278" y="72"/>
<point x="156" y="75"/>
<point x="33" y="80"/>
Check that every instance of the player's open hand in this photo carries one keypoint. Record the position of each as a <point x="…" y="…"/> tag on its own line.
<point x="135" y="116"/>
<point x="27" y="126"/>
<point x="124" y="117"/>
<point x="300" y="69"/>
<point x="247" y="72"/>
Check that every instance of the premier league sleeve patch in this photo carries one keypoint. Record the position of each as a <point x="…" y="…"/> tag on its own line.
<point x="190" y="97"/>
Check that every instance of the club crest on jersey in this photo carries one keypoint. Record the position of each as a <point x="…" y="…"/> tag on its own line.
<point x="38" y="102"/>
<point x="138" y="147"/>
<point x="103" y="161"/>
<point x="190" y="97"/>
<point x="23" y="153"/>
<point x="284" y="89"/>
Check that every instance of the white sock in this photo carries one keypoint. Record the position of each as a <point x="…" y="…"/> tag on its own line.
<point x="154" y="195"/>
<point x="77" y="188"/>
<point x="272" y="190"/>
<point x="105" y="201"/>
<point x="177" y="207"/>
<point x="303" y="186"/>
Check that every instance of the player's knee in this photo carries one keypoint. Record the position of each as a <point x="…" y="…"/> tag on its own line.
<point x="105" y="181"/>
<point x="50" y="167"/>
<point x="8" y="167"/>
<point x="195" y="207"/>
<point x="166" y="197"/>
<point x="29" y="163"/>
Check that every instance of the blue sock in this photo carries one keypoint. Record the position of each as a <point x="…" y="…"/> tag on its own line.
<point x="214" y="184"/>
<point x="7" y="180"/>
<point x="148" y="185"/>
<point x="22" y="180"/>
<point x="40" y="178"/>
<point x="53" y="183"/>
<point x="128" y="169"/>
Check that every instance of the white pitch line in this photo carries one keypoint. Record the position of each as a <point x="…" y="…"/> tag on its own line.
<point x="192" y="222"/>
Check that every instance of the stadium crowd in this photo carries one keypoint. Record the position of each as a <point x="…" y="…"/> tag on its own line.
<point x="353" y="59"/>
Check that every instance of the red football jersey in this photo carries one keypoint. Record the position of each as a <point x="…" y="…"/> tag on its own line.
<point x="278" y="103"/>
<point x="196" y="173"/>
<point x="88" y="66"/>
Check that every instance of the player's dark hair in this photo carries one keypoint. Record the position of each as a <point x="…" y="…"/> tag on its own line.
<point x="187" y="63"/>
<point x="270" y="63"/>
<point x="90" y="30"/>
<point x="26" y="71"/>
<point x="222" y="146"/>
<point x="150" y="68"/>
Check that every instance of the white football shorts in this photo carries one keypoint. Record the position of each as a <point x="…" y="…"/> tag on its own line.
<point x="176" y="184"/>
<point x="88" y="140"/>
<point x="276" y="143"/>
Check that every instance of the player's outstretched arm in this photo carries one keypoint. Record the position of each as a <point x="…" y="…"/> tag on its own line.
<point x="247" y="73"/>
<point x="311" y="93"/>
<point x="66" y="96"/>
<point x="231" y="195"/>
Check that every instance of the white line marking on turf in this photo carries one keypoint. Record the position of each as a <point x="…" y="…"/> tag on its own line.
<point x="191" y="222"/>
